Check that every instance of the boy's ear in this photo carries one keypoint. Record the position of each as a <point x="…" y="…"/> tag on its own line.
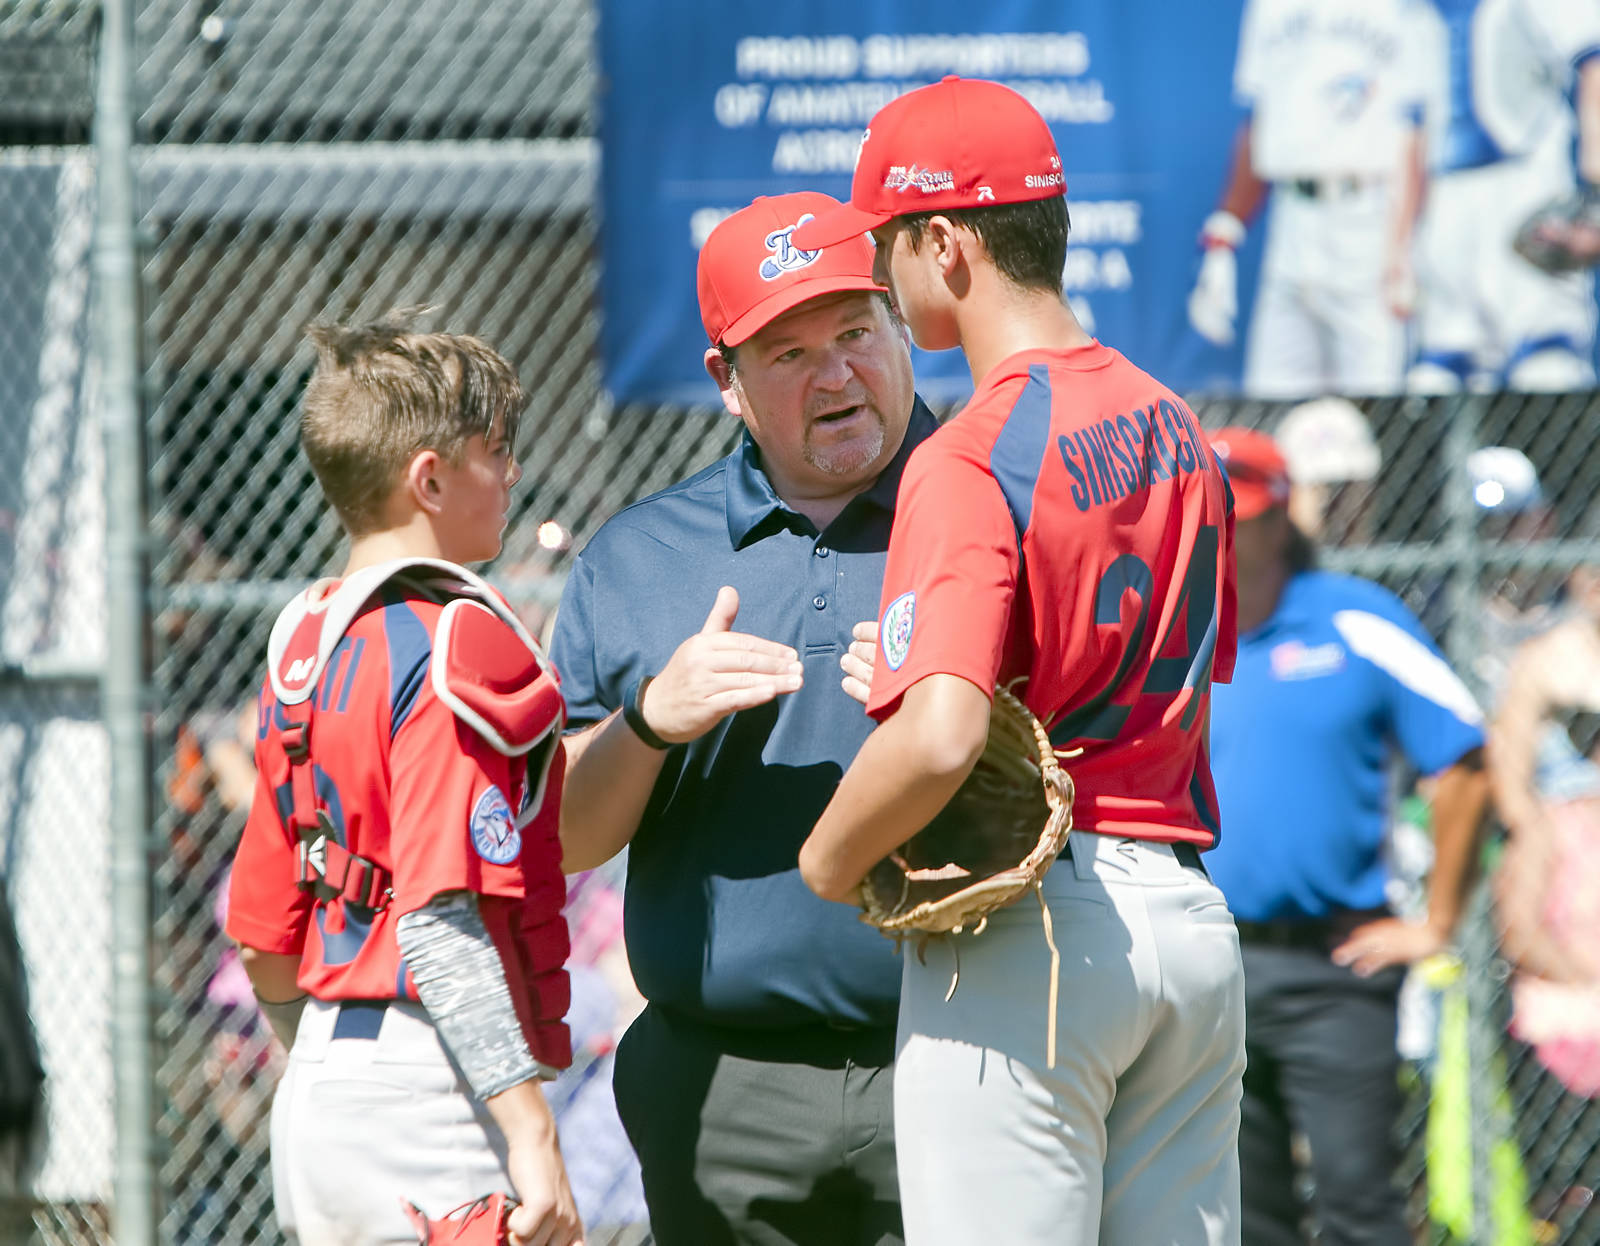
<point x="422" y="481"/>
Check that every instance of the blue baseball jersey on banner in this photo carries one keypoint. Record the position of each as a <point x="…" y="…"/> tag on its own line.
<point x="1322" y="692"/>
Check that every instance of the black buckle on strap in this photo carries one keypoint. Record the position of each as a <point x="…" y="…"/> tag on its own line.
<point x="296" y="739"/>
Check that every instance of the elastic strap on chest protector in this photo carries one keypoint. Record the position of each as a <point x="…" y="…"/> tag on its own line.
<point x="326" y="868"/>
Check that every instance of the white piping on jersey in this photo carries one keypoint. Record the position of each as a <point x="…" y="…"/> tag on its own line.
<point x="1398" y="653"/>
<point x="340" y="610"/>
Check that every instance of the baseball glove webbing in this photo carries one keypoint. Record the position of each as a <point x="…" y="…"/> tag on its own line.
<point x="1563" y="236"/>
<point x="992" y="842"/>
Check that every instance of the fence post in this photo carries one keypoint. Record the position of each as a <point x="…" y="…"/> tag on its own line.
<point x="1461" y="511"/>
<point x="123" y="689"/>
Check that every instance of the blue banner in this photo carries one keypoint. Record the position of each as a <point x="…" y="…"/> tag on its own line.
<point x="708" y="104"/>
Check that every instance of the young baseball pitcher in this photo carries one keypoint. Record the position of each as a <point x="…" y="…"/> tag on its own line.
<point x="397" y="893"/>
<point x="1068" y="530"/>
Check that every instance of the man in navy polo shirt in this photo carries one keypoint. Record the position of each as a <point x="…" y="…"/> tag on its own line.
<point x="756" y="1086"/>
<point x="1333" y="673"/>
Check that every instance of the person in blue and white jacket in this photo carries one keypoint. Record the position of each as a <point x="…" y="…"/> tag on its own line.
<point x="1334" y="675"/>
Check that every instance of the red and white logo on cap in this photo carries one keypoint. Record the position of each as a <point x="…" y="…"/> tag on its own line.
<point x="786" y="257"/>
<point x="961" y="143"/>
<point x="752" y="270"/>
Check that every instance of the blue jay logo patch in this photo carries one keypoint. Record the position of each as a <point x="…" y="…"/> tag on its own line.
<point x="896" y="631"/>
<point x="786" y="257"/>
<point x="494" y="830"/>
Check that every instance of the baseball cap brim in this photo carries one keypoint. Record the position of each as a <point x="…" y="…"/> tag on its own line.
<point x="1251" y="498"/>
<point x="837" y="225"/>
<point x="786" y="299"/>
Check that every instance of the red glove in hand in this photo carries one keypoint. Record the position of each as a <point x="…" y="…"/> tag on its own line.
<point x="482" y="1223"/>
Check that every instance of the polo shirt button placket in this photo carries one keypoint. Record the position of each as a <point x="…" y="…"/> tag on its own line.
<point x="822" y="551"/>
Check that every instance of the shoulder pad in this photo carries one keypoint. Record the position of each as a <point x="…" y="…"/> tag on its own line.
<point x="311" y="626"/>
<point x="492" y="674"/>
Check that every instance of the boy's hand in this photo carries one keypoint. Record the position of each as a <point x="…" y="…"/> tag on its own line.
<point x="548" y="1215"/>
<point x="858" y="661"/>
<point x="716" y="672"/>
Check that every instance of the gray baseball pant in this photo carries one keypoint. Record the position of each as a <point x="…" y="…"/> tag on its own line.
<point x="1132" y="1139"/>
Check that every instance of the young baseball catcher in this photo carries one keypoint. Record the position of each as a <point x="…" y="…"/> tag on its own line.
<point x="397" y="893"/>
<point x="1069" y="1066"/>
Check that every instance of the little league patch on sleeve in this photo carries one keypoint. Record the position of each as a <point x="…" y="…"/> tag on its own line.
<point x="897" y="621"/>
<point x="494" y="830"/>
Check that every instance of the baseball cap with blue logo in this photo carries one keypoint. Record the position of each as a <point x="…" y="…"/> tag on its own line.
<point x="751" y="272"/>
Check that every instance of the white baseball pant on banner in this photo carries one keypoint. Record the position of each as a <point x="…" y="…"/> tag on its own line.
<point x="1132" y="1139"/>
<point x="1321" y="322"/>
<point x="1482" y="300"/>
<point x="358" y="1124"/>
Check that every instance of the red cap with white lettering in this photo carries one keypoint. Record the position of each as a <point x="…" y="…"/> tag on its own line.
<point x="1258" y="474"/>
<point x="751" y="272"/>
<point x="960" y="143"/>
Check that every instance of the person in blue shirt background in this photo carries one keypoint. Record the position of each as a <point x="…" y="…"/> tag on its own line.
<point x="1334" y="676"/>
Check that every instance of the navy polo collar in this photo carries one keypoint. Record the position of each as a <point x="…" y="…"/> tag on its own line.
<point x="752" y="501"/>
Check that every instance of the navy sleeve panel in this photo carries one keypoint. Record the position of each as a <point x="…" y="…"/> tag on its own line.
<point x="1020" y="448"/>
<point x="410" y="651"/>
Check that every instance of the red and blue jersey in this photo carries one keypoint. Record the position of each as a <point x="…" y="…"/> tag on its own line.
<point x="1071" y="529"/>
<point x="412" y="775"/>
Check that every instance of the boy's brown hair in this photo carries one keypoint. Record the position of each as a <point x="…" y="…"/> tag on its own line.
<point x="381" y="393"/>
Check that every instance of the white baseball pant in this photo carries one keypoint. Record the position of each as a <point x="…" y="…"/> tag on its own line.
<point x="1480" y="299"/>
<point x="1321" y="322"/>
<point x="360" y="1123"/>
<point x="1132" y="1139"/>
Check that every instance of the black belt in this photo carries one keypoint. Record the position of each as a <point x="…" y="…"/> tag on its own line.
<point x="1327" y="187"/>
<point x="826" y="1043"/>
<point x="360" y="1018"/>
<point x="1321" y="934"/>
<point x="1186" y="853"/>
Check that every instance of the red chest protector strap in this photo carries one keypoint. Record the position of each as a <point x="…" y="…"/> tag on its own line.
<point x="327" y="868"/>
<point x="485" y="666"/>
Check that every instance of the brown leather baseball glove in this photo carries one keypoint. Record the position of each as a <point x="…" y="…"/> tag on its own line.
<point x="991" y="844"/>
<point x="1563" y="236"/>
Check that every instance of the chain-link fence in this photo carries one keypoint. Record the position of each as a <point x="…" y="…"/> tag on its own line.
<point x="298" y="161"/>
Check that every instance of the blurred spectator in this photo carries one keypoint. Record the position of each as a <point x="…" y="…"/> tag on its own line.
<point x="1500" y="142"/>
<point x="600" y="1161"/>
<point x="1520" y="602"/>
<point x="1549" y="880"/>
<point x="1332" y="462"/>
<point x="1334" y="130"/>
<point x="1331" y="669"/>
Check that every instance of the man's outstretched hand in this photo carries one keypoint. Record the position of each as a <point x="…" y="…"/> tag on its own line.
<point x="717" y="672"/>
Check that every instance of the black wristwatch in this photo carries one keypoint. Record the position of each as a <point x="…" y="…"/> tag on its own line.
<point x="634" y="715"/>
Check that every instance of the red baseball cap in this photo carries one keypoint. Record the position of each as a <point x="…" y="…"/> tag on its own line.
<point x="751" y="272"/>
<point x="960" y="143"/>
<point x="1256" y="467"/>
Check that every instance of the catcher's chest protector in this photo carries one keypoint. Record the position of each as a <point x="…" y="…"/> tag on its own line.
<point x="489" y="671"/>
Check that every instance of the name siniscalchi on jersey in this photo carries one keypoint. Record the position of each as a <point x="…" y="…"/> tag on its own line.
<point x="1067" y="534"/>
